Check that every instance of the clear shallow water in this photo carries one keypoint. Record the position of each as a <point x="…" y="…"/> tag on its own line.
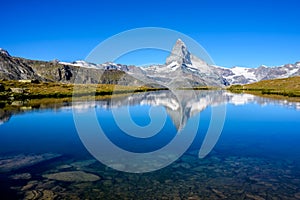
<point x="257" y="155"/>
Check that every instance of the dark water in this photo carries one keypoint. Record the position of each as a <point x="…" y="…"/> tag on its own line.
<point x="255" y="156"/>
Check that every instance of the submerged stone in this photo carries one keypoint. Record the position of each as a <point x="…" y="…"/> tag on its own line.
<point x="72" y="176"/>
<point x="83" y="163"/>
<point x="16" y="162"/>
<point x="39" y="194"/>
<point x="255" y="197"/>
<point x="64" y="167"/>
<point x="21" y="176"/>
<point x="297" y="195"/>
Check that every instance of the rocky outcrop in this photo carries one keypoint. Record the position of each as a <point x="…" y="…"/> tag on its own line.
<point x="12" y="68"/>
<point x="4" y="52"/>
<point x="65" y="73"/>
<point x="15" y="68"/>
<point x="180" y="54"/>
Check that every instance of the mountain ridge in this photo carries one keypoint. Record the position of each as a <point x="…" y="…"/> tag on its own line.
<point x="181" y="69"/>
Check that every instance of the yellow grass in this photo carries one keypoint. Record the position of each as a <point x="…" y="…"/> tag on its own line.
<point x="286" y="88"/>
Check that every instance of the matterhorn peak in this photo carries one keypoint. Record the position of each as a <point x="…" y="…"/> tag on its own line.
<point x="4" y="52"/>
<point x="179" y="42"/>
<point x="179" y="53"/>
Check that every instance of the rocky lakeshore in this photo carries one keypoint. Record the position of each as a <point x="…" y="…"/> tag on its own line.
<point x="215" y="177"/>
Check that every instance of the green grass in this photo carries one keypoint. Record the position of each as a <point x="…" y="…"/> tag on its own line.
<point x="65" y="90"/>
<point x="276" y="88"/>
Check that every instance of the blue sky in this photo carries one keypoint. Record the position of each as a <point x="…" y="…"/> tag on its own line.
<point x="244" y="33"/>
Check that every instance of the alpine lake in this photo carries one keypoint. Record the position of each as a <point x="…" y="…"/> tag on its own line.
<point x="230" y="146"/>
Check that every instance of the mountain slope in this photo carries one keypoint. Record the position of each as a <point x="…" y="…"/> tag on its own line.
<point x="242" y="75"/>
<point x="13" y="68"/>
<point x="278" y="88"/>
<point x="284" y="84"/>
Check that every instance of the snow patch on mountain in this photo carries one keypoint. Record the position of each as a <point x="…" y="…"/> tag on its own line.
<point x="237" y="72"/>
<point x="243" y="75"/>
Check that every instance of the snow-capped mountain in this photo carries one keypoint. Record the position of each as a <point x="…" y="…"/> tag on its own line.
<point x="104" y="66"/>
<point x="242" y="75"/>
<point x="182" y="69"/>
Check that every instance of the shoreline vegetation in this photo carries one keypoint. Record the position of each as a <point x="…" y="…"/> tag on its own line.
<point x="285" y="88"/>
<point x="11" y="90"/>
<point x="30" y="94"/>
<point x="16" y="93"/>
<point x="19" y="90"/>
<point x="27" y="93"/>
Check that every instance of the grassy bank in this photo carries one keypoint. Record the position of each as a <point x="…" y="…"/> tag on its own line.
<point x="15" y="90"/>
<point x="286" y="88"/>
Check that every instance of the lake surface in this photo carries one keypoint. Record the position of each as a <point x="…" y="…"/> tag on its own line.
<point x="254" y="153"/>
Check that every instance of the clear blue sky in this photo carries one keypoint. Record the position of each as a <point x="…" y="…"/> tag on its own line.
<point x="245" y="32"/>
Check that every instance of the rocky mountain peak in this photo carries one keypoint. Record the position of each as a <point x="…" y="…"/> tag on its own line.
<point x="4" y="52"/>
<point x="179" y="53"/>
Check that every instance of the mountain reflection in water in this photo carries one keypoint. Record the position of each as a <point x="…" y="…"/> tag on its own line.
<point x="257" y="155"/>
<point x="180" y="104"/>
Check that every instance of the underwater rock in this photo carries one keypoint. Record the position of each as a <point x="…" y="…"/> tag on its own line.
<point x="255" y="197"/>
<point x="118" y="166"/>
<point x="72" y="176"/>
<point x="24" y="176"/>
<point x="195" y="197"/>
<point x="64" y="167"/>
<point x="183" y="165"/>
<point x="219" y="193"/>
<point x="34" y="194"/>
<point x="29" y="185"/>
<point x="188" y="159"/>
<point x="8" y="164"/>
<point x="107" y="183"/>
<point x="200" y="168"/>
<point x="83" y="163"/>
<point x="297" y="195"/>
<point x="39" y="194"/>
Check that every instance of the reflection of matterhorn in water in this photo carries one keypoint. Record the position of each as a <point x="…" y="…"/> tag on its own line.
<point x="179" y="104"/>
